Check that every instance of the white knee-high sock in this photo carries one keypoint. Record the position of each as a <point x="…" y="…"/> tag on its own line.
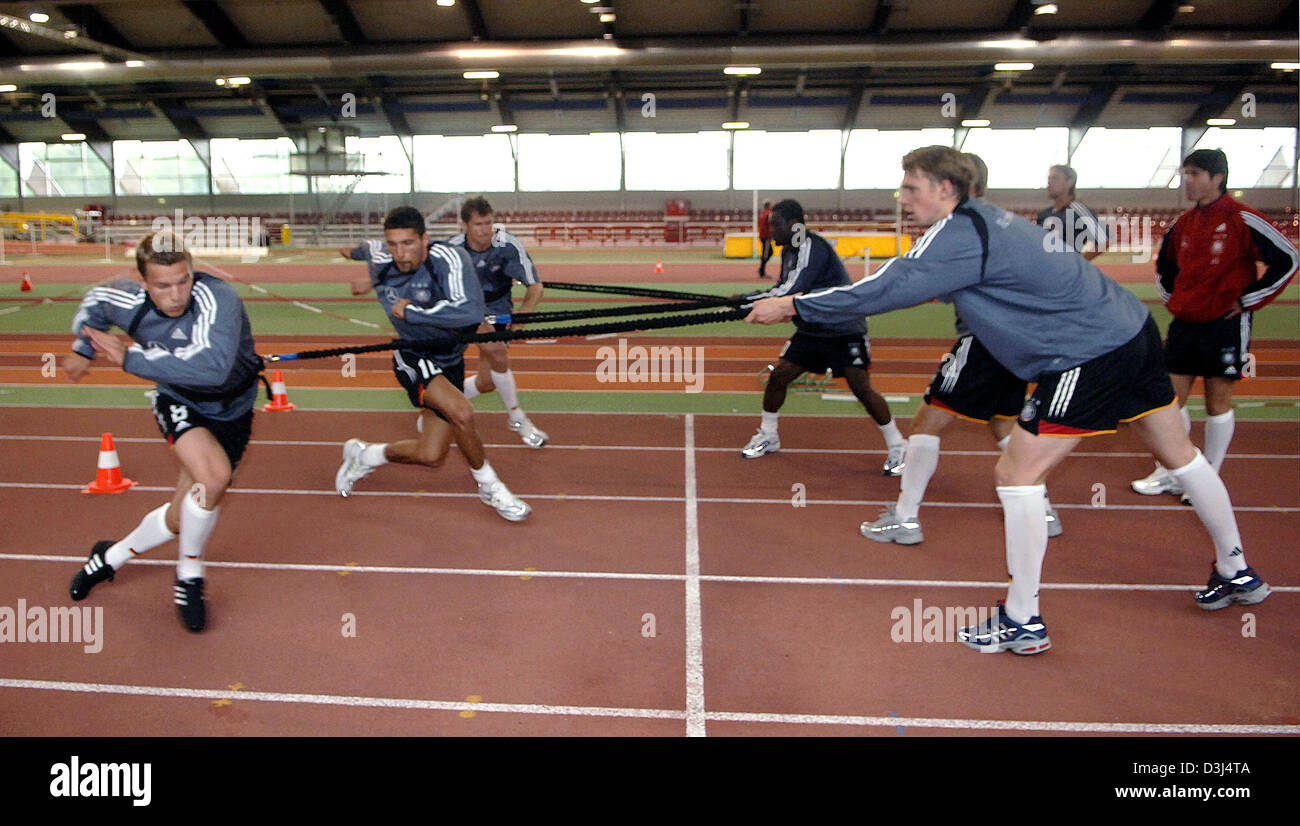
<point x="505" y="383"/>
<point x="471" y="390"/>
<point x="1024" y="510"/>
<point x="150" y="533"/>
<point x="1210" y="499"/>
<point x="1002" y="446"/>
<point x="893" y="436"/>
<point x="922" y="459"/>
<point x="1218" y="435"/>
<point x="196" y="526"/>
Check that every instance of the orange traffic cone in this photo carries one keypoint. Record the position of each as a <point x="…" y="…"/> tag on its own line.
<point x="108" y="479"/>
<point x="279" y="398"/>
<point x="27" y="283"/>
<point x="659" y="267"/>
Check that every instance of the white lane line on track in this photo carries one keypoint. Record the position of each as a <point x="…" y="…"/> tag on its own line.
<point x="709" y="500"/>
<point x="355" y="701"/>
<point x="694" y="629"/>
<point x="662" y="577"/>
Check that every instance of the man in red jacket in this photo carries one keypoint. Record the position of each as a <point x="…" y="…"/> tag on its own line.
<point x="1208" y="278"/>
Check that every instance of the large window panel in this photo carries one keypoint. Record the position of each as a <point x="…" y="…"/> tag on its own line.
<point x="475" y="163"/>
<point x="8" y="181"/>
<point x="1256" y="157"/>
<point x="874" y="158"/>
<point x="566" y="163"/>
<point x="676" y="162"/>
<point x="258" y="167"/>
<point x="158" y="168"/>
<point x="382" y="154"/>
<point x="1128" y="158"/>
<point x="787" y="160"/>
<point x="1019" y="158"/>
<point x="53" y="169"/>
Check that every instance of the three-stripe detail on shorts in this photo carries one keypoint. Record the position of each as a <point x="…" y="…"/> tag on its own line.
<point x="1064" y="392"/>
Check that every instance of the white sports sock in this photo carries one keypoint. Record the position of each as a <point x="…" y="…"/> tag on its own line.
<point x="1003" y="442"/>
<point x="1218" y="435"/>
<point x="768" y="424"/>
<point x="196" y="526"/>
<point x="1024" y="511"/>
<point x="893" y="436"/>
<point x="150" y="533"/>
<point x="922" y="459"/>
<point x="484" y="475"/>
<point x="373" y="454"/>
<point x="1210" y="499"/>
<point x="471" y="387"/>
<point x="505" y="383"/>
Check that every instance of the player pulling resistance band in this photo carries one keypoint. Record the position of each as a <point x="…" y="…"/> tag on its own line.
<point x="499" y="260"/>
<point x="970" y="385"/>
<point x="431" y="295"/>
<point x="194" y="340"/>
<point x="809" y="262"/>
<point x="1054" y="319"/>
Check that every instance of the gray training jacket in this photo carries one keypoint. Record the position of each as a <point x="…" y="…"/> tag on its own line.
<point x="1037" y="311"/>
<point x="445" y="294"/>
<point x="205" y="357"/>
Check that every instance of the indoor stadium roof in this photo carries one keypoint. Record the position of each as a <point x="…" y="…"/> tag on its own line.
<point x="150" y="69"/>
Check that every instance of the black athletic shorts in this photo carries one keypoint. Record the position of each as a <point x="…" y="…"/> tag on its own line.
<point x="176" y="418"/>
<point x="973" y="385"/>
<point x="414" y="371"/>
<point x="1125" y="384"/>
<point x="1214" y="349"/>
<point x="817" y="354"/>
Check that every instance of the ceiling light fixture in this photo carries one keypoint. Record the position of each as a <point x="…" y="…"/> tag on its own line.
<point x="488" y="74"/>
<point x="975" y="123"/>
<point x="736" y="124"/>
<point x="742" y="70"/>
<point x="1012" y="67"/>
<point x="505" y="127"/>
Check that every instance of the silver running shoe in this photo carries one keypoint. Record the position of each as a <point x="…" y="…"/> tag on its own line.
<point x="1053" y="523"/>
<point x="894" y="462"/>
<point x="1160" y="481"/>
<point x="507" y="505"/>
<point x="353" y="469"/>
<point x="529" y="433"/>
<point x="889" y="528"/>
<point x="761" y="444"/>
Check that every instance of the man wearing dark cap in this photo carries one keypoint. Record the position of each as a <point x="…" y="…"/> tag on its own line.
<point x="1207" y="277"/>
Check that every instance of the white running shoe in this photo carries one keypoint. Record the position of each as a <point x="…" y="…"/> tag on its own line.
<point x="529" y="433"/>
<point x="894" y="462"/>
<point x="507" y="505"/>
<point x="760" y="444"/>
<point x="353" y="469"/>
<point x="890" y="528"/>
<point x="1160" y="481"/>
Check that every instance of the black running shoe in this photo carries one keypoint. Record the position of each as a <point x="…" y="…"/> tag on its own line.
<point x="95" y="571"/>
<point x="189" y="602"/>
<point x="1246" y="588"/>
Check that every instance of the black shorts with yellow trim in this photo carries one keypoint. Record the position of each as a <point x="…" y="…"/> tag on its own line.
<point x="176" y="418"/>
<point x="817" y="354"/>
<point x="414" y="371"/>
<point x="1213" y="349"/>
<point x="973" y="385"/>
<point x="1125" y="384"/>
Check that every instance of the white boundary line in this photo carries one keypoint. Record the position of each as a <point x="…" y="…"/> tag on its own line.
<point x="694" y="628"/>
<point x="718" y="578"/>
<point x="589" y="497"/>
<point x="355" y="701"/>
<point x="334" y="444"/>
